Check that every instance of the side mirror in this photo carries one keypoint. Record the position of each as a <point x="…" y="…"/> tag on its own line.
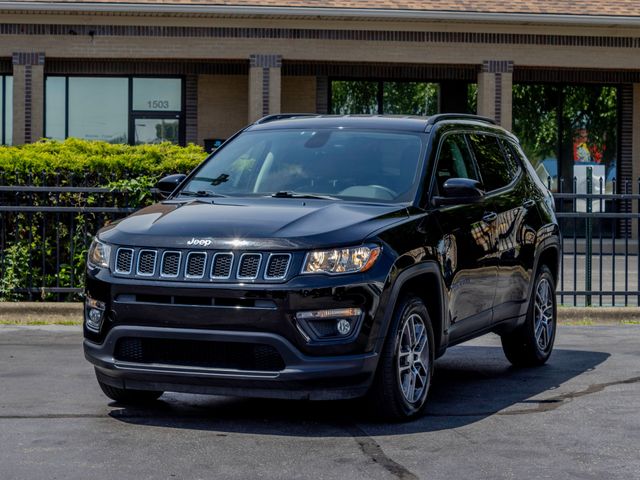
<point x="167" y="185"/>
<point x="459" y="191"/>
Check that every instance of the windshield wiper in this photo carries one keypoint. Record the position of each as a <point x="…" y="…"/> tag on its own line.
<point x="288" y="194"/>
<point x="200" y="193"/>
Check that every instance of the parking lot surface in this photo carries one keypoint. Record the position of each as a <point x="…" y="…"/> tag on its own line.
<point x="577" y="417"/>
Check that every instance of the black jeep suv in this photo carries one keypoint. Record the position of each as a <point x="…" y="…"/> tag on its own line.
<point x="327" y="257"/>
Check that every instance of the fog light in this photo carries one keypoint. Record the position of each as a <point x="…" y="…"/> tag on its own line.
<point x="94" y="314"/>
<point x="343" y="326"/>
<point x="336" y="323"/>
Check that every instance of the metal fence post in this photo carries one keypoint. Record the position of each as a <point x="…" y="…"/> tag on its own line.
<point x="588" y="233"/>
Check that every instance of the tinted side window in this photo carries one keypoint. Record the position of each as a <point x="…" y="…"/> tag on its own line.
<point x="497" y="169"/>
<point x="543" y="181"/>
<point x="454" y="160"/>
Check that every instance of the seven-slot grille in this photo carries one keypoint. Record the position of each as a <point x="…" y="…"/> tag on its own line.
<point x="201" y="265"/>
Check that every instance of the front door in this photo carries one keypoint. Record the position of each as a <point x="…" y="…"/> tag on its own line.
<point x="467" y="248"/>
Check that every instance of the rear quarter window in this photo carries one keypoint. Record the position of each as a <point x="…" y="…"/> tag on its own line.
<point x="497" y="168"/>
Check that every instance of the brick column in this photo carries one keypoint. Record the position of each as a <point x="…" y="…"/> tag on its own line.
<point x="191" y="109"/>
<point x="495" y="83"/>
<point x="28" y="97"/>
<point x="265" y="85"/>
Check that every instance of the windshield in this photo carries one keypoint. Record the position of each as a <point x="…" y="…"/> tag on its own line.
<point x="343" y="164"/>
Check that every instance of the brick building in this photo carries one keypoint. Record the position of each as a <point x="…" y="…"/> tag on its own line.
<point x="190" y="70"/>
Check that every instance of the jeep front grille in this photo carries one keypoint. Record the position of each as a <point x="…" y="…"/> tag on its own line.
<point x="200" y="265"/>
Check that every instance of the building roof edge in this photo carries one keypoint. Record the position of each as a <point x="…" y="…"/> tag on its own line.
<point x="344" y="13"/>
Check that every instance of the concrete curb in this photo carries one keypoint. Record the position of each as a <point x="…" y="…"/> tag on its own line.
<point x="60" y="312"/>
<point x="599" y="314"/>
<point x="40" y="312"/>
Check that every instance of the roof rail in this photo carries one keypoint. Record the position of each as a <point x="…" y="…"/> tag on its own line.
<point x="283" y="116"/>
<point x="433" y="119"/>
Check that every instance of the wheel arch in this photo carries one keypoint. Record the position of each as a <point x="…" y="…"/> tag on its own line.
<point x="425" y="281"/>
<point x="550" y="257"/>
<point x="548" y="253"/>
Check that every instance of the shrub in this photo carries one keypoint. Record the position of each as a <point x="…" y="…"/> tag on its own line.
<point x="94" y="161"/>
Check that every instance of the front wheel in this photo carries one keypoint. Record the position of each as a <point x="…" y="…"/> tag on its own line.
<point x="405" y="370"/>
<point x="531" y="344"/>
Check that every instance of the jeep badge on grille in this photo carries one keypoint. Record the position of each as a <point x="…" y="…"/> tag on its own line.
<point x="200" y="242"/>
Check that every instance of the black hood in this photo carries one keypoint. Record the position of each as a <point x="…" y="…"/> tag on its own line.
<point x="253" y="223"/>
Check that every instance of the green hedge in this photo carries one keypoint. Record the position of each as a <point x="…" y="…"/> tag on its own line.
<point x="40" y="249"/>
<point x="96" y="159"/>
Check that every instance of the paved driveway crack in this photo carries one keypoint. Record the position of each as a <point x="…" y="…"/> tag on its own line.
<point x="552" y="403"/>
<point x="374" y="451"/>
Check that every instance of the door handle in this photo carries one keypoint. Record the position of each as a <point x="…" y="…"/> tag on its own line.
<point x="490" y="217"/>
<point x="528" y="203"/>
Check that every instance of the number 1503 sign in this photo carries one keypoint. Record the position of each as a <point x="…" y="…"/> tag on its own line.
<point x="158" y="104"/>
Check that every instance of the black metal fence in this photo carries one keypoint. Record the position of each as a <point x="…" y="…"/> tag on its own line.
<point x="600" y="264"/>
<point x="46" y="226"/>
<point x="45" y="232"/>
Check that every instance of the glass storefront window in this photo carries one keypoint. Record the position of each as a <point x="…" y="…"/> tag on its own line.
<point x="55" y="105"/>
<point x="99" y="108"/>
<point x="6" y="110"/>
<point x="114" y="109"/>
<point x="156" y="130"/>
<point x="157" y="94"/>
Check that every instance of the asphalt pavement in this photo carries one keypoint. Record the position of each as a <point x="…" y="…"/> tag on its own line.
<point x="576" y="418"/>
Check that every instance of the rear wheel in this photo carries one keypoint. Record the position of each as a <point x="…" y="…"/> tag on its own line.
<point x="125" y="395"/>
<point x="532" y="343"/>
<point x="404" y="373"/>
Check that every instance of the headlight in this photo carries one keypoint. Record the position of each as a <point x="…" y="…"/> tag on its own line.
<point x="99" y="254"/>
<point x="341" y="260"/>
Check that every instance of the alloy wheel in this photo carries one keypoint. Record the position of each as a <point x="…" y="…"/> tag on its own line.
<point x="413" y="359"/>
<point x="543" y="315"/>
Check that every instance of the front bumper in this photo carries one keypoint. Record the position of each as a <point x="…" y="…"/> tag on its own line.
<point x="303" y="376"/>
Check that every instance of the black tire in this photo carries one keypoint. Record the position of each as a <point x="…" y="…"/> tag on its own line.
<point x="125" y="395"/>
<point x="522" y="347"/>
<point x="387" y="398"/>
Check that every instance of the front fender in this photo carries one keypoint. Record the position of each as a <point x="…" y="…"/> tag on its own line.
<point x="391" y="296"/>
